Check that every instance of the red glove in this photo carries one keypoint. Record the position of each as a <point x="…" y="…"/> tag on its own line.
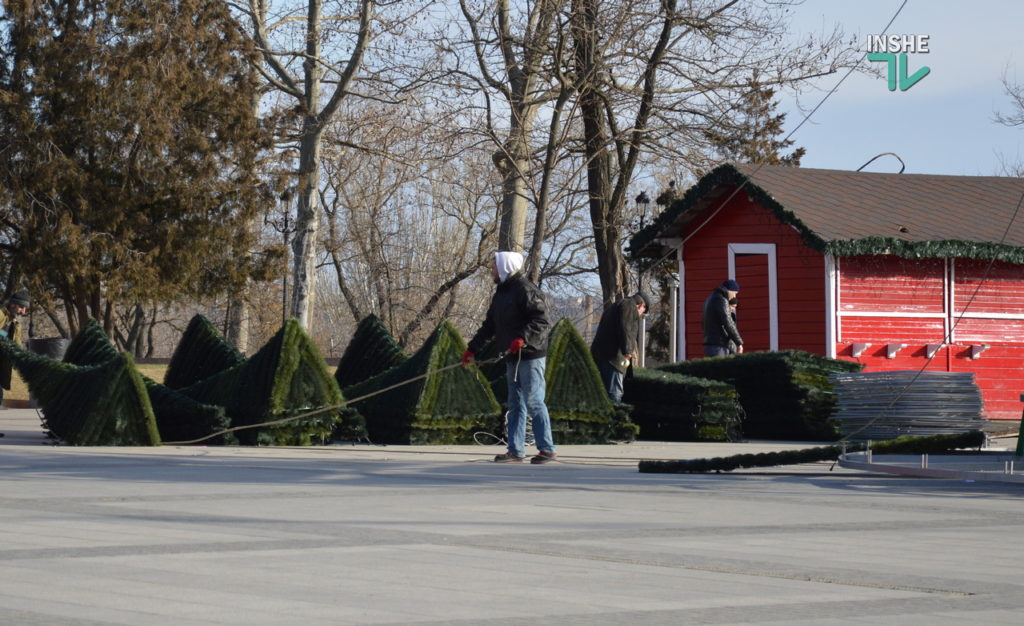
<point x="516" y="345"/>
<point x="467" y="356"/>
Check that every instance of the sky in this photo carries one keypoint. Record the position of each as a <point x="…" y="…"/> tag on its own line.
<point x="943" y="124"/>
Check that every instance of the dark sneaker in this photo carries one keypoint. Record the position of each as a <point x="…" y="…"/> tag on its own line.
<point x="544" y="457"/>
<point x="508" y="457"/>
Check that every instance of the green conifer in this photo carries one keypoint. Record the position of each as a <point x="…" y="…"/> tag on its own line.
<point x="201" y="353"/>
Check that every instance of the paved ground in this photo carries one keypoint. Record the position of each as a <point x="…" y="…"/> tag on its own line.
<point x="401" y="535"/>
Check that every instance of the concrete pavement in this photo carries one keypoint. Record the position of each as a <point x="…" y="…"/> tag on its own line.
<point x="439" y="535"/>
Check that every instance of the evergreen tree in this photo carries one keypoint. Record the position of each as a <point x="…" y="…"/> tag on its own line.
<point x="753" y="135"/>
<point x="129" y="153"/>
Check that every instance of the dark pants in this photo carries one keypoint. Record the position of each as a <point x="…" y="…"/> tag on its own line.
<point x="710" y="350"/>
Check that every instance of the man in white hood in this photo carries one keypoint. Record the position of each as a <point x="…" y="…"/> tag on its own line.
<point x="517" y="320"/>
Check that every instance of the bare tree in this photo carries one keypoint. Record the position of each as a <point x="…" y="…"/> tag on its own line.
<point x="653" y="76"/>
<point x="314" y="57"/>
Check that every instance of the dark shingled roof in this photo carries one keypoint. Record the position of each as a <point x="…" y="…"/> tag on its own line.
<point x="846" y="213"/>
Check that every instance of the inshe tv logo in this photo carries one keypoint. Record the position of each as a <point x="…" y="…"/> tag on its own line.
<point x="893" y="50"/>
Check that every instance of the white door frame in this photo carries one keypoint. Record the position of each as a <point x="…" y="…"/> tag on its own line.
<point x="773" y="287"/>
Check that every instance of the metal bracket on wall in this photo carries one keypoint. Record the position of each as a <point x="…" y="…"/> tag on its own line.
<point x="977" y="349"/>
<point x="892" y="348"/>
<point x="931" y="348"/>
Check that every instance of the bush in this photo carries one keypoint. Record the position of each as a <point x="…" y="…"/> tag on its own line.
<point x="436" y="407"/>
<point x="674" y="407"/>
<point x="785" y="395"/>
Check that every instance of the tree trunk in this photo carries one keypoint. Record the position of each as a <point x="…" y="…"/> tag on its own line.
<point x="307" y="219"/>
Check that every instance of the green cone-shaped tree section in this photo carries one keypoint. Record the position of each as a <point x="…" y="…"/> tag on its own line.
<point x="441" y="407"/>
<point x="98" y="405"/>
<point x="371" y="351"/>
<point x="581" y="411"/>
<point x="178" y="418"/>
<point x="287" y="376"/>
<point x="201" y="353"/>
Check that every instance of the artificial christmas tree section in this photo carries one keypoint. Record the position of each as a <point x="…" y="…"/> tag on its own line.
<point x="447" y="403"/>
<point x="201" y="352"/>
<point x="98" y="405"/>
<point x="371" y="351"/>
<point x="286" y="377"/>
<point x="674" y="407"/>
<point x="178" y="417"/>
<point x="785" y="394"/>
<point x="581" y="411"/>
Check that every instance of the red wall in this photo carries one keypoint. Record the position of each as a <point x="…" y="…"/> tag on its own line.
<point x="800" y="275"/>
<point x="912" y="297"/>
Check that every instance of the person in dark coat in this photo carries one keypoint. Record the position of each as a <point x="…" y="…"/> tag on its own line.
<point x="616" y="339"/>
<point x="517" y="320"/>
<point x="719" y="326"/>
<point x="10" y="328"/>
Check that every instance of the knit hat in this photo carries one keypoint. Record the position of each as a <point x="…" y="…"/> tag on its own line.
<point x="731" y="285"/>
<point x="643" y="298"/>
<point x="20" y="298"/>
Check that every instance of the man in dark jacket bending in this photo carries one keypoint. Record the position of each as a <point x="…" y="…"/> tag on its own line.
<point x="615" y="341"/>
<point x="719" y="325"/>
<point x="518" y="322"/>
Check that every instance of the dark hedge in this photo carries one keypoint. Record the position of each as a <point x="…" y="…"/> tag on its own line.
<point x="442" y="407"/>
<point x="933" y="444"/>
<point x="371" y="350"/>
<point x="785" y="394"/>
<point x="674" y="407"/>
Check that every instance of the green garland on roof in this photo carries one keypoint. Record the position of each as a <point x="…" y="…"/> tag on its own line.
<point x="729" y="175"/>
<point x="99" y="405"/>
<point x="178" y="417"/>
<point x="287" y="376"/>
<point x="934" y="444"/>
<point x="201" y="352"/>
<point x="444" y="407"/>
<point x="371" y="350"/>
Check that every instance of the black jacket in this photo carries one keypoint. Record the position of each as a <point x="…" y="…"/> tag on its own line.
<point x="719" y="326"/>
<point x="517" y="310"/>
<point x="616" y="334"/>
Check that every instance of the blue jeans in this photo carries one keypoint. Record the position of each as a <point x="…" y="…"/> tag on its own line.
<point x="612" y="379"/>
<point x="526" y="396"/>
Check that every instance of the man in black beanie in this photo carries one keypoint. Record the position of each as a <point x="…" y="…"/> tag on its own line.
<point x="719" y="326"/>
<point x="15" y="307"/>
<point x="616" y="340"/>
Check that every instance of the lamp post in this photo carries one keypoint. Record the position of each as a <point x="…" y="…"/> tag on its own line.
<point x="642" y="202"/>
<point x="282" y="226"/>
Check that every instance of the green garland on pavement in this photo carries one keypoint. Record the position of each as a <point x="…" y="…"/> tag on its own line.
<point x="933" y="444"/>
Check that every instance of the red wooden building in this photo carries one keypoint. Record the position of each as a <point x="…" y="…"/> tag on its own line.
<point x="897" y="271"/>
